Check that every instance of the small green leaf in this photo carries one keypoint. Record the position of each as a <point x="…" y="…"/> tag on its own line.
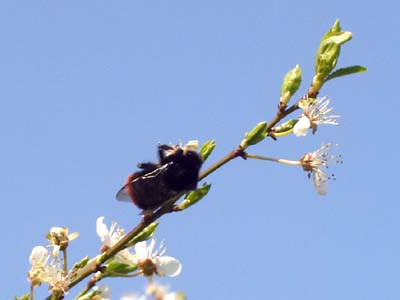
<point x="81" y="264"/>
<point x="334" y="29"/>
<point x="145" y="234"/>
<point x="346" y="71"/>
<point x="206" y="149"/>
<point x="194" y="197"/>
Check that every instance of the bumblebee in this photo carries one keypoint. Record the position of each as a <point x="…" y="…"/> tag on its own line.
<point x="177" y="171"/>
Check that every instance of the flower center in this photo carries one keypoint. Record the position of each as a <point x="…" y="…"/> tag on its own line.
<point x="148" y="267"/>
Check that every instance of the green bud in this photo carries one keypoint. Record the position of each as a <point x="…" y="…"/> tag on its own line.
<point x="206" y="149"/>
<point x="145" y="234"/>
<point x="194" y="197"/>
<point x="329" y="50"/>
<point x="256" y="135"/>
<point x="317" y="83"/>
<point x="115" y="268"/>
<point x="290" y="85"/>
<point x="328" y="59"/>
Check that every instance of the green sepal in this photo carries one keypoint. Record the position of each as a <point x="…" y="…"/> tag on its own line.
<point x="115" y="268"/>
<point x="286" y="128"/>
<point x="206" y="149"/>
<point x="145" y="234"/>
<point x="256" y="135"/>
<point x="291" y="84"/>
<point x="24" y="297"/>
<point x="194" y="196"/>
<point x="346" y="71"/>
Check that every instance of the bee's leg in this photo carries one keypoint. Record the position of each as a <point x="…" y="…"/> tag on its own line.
<point x="163" y="150"/>
<point x="147" y="214"/>
<point x="147" y="166"/>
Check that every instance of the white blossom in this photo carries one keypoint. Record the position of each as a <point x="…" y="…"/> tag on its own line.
<point x="316" y="164"/>
<point x="59" y="238"/>
<point x="109" y="237"/>
<point x="46" y="269"/>
<point x="314" y="114"/>
<point x="151" y="262"/>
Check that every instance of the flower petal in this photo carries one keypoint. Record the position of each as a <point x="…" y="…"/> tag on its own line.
<point x="319" y="180"/>
<point x="125" y="257"/>
<point x="141" y="250"/>
<point x="168" y="266"/>
<point x="56" y="250"/>
<point x="39" y="253"/>
<point x="102" y="231"/>
<point x="301" y="127"/>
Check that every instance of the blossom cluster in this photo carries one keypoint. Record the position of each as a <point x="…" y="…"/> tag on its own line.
<point x="148" y="259"/>
<point x="46" y="268"/>
<point x="140" y="259"/>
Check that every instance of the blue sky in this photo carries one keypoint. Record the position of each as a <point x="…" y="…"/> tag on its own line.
<point x="88" y="89"/>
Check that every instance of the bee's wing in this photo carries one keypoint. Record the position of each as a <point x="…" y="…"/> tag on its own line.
<point x="123" y="193"/>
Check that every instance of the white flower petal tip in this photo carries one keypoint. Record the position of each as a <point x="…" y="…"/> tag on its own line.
<point x="154" y="262"/>
<point x="168" y="266"/>
<point x="102" y="231"/>
<point x="38" y="254"/>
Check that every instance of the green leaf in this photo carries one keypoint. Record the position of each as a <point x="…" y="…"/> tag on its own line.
<point x="145" y="234"/>
<point x="346" y="71"/>
<point x="194" y="197"/>
<point x="206" y="149"/>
